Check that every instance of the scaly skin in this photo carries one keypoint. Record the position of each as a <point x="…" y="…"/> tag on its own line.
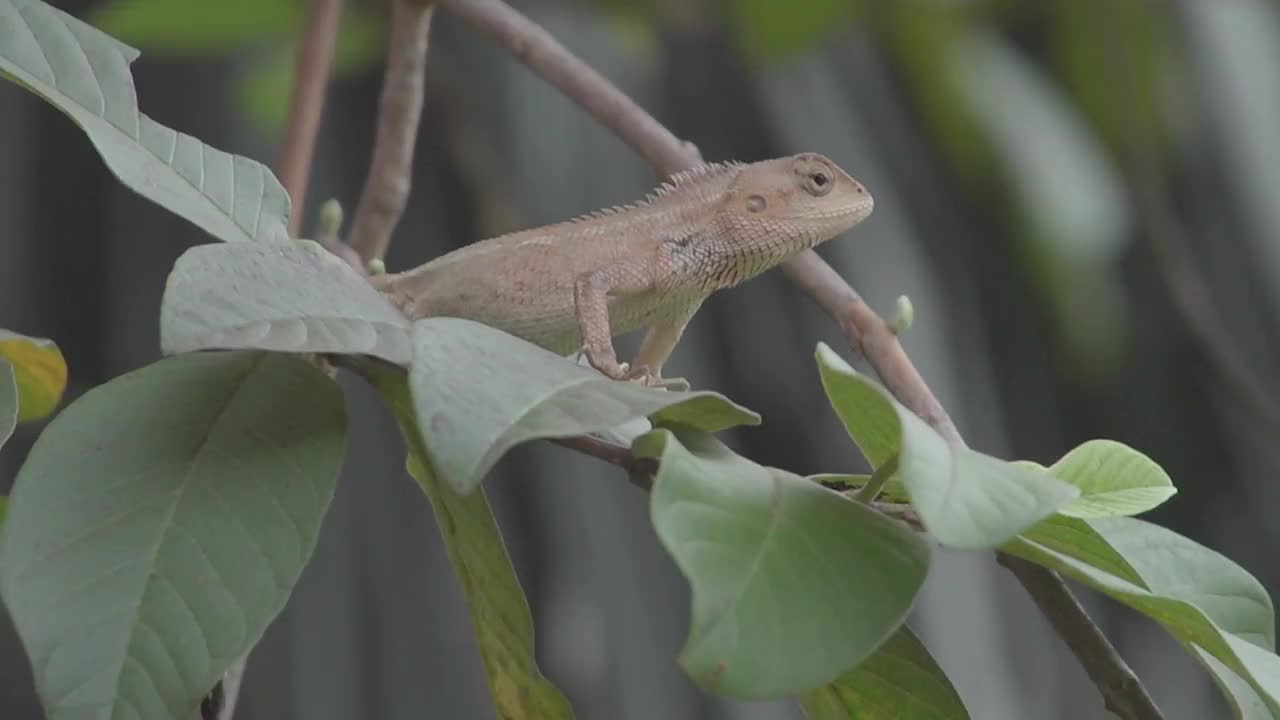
<point x="575" y="285"/>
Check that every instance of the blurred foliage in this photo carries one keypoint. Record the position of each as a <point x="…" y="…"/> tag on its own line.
<point x="267" y="31"/>
<point x="161" y="26"/>
<point x="769" y="30"/>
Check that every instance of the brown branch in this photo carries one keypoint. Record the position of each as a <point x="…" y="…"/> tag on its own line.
<point x="386" y="188"/>
<point x="870" y="336"/>
<point x="306" y="102"/>
<point x="306" y="105"/>
<point x="1123" y="694"/>
<point x="641" y="471"/>
<point x="866" y="333"/>
<point x="542" y="53"/>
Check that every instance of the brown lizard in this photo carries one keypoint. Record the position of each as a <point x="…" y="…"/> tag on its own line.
<point x="575" y="285"/>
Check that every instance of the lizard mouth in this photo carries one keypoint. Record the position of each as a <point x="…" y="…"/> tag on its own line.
<point x="855" y="212"/>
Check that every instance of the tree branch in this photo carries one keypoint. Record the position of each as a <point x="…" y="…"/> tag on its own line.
<point x="866" y="332"/>
<point x="306" y="102"/>
<point x="1123" y="694"/>
<point x="386" y="188"/>
<point x="306" y="105"/>
<point x="539" y="51"/>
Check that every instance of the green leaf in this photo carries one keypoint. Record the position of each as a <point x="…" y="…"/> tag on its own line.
<point x="164" y="26"/>
<point x="478" y="392"/>
<point x="4" y="507"/>
<point x="85" y="74"/>
<point x="1244" y="701"/>
<point x="1114" y="479"/>
<point x="8" y="402"/>
<point x="159" y="524"/>
<point x="793" y="584"/>
<point x="1199" y="596"/>
<point x="288" y="296"/>
<point x="900" y="682"/>
<point x="39" y="371"/>
<point x="965" y="499"/>
<point x="499" y="612"/>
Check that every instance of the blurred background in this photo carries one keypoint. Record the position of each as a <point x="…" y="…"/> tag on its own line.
<point x="1077" y="195"/>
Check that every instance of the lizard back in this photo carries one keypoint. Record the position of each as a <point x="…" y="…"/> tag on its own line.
<point x="523" y="282"/>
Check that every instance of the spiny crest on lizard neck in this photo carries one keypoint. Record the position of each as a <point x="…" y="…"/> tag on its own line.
<point x="679" y="182"/>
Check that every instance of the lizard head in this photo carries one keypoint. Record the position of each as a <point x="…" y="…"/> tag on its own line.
<point x="777" y="208"/>
<point x="804" y="195"/>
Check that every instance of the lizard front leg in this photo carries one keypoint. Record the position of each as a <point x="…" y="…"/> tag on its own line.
<point x="591" y="293"/>
<point x="660" y="341"/>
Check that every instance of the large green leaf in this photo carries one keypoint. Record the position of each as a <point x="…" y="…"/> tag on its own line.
<point x="288" y="296"/>
<point x="85" y="74"/>
<point x="965" y="499"/>
<point x="793" y="584"/>
<point x="39" y="371"/>
<point x="1201" y="597"/>
<point x="8" y="401"/>
<point x="478" y="392"/>
<point x="1114" y="480"/>
<point x="499" y="613"/>
<point x="160" y="523"/>
<point x="900" y="682"/>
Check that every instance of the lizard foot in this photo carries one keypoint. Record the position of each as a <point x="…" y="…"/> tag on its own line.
<point x="625" y="372"/>
<point x="645" y="376"/>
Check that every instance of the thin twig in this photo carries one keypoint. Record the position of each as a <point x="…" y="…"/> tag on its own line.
<point x="386" y="188"/>
<point x="869" y="492"/>
<point x="866" y="332"/>
<point x="641" y="471"/>
<point x="1170" y="242"/>
<point x="539" y="51"/>
<point x="306" y="104"/>
<point x="1123" y="694"/>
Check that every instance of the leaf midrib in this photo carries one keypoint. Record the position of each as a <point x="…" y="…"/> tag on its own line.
<point x="167" y="526"/>
<point x="776" y="497"/>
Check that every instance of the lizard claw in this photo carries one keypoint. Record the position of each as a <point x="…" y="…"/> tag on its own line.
<point x="673" y="384"/>
<point x="644" y="375"/>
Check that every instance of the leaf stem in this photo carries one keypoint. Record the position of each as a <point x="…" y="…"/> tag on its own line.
<point x="869" y="492"/>
<point x="306" y="102"/>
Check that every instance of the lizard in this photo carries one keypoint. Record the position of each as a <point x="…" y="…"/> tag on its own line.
<point x="577" y="284"/>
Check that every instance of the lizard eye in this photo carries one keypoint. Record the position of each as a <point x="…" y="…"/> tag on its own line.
<point x="817" y="183"/>
<point x="756" y="203"/>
